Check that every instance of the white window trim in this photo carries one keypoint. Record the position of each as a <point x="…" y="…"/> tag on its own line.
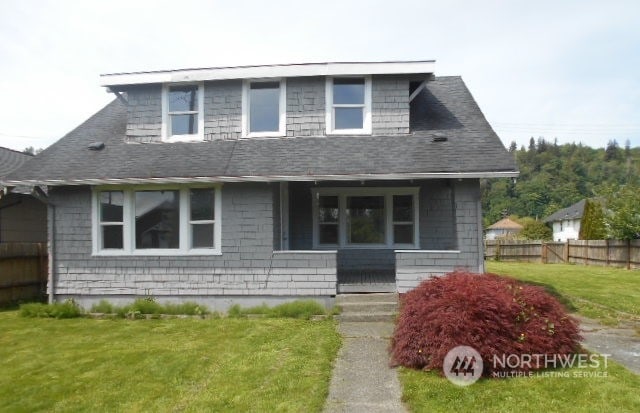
<point x="329" y="109"/>
<point x="343" y="193"/>
<point x="282" y="106"/>
<point x="128" y="231"/>
<point x="165" y="129"/>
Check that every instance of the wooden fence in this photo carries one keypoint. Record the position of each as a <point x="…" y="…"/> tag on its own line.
<point x="612" y="253"/>
<point x="23" y="272"/>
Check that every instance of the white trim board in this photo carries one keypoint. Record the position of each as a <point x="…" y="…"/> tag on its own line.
<point x="264" y="178"/>
<point x="268" y="71"/>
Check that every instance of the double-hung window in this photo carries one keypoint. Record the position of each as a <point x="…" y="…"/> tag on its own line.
<point x="365" y="217"/>
<point x="348" y="108"/>
<point x="182" y="113"/>
<point x="264" y="108"/>
<point x="157" y="221"/>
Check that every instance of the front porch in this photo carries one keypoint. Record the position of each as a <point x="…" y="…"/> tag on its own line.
<point x="387" y="236"/>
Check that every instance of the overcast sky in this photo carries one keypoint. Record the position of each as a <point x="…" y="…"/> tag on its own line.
<point x="559" y="69"/>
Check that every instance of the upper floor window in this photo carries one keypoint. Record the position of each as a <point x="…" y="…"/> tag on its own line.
<point x="263" y="108"/>
<point x="348" y="105"/>
<point x="182" y="114"/>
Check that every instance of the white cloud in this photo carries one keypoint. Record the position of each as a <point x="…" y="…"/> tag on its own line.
<point x="559" y="69"/>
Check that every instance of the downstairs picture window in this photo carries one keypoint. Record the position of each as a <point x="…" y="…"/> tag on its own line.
<point x="365" y="217"/>
<point x="168" y="221"/>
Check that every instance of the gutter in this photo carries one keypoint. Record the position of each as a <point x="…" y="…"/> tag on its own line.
<point x="269" y="178"/>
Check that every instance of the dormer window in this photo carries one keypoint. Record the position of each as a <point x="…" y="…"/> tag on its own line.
<point x="348" y="105"/>
<point x="182" y="112"/>
<point x="263" y="108"/>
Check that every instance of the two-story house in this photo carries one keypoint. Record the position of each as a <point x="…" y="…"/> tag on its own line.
<point x="268" y="183"/>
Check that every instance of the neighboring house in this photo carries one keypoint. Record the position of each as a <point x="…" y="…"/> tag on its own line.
<point x="23" y="217"/>
<point x="565" y="223"/>
<point x="503" y="229"/>
<point x="269" y="183"/>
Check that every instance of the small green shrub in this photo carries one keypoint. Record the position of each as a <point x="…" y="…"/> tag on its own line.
<point x="298" y="309"/>
<point x="295" y="309"/>
<point x="103" y="306"/>
<point x="186" y="308"/>
<point x="235" y="311"/>
<point x="67" y="309"/>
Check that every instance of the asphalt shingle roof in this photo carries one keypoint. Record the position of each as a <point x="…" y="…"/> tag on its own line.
<point x="446" y="110"/>
<point x="575" y="211"/>
<point x="11" y="160"/>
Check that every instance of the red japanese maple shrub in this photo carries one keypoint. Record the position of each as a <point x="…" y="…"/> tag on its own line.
<point x="493" y="314"/>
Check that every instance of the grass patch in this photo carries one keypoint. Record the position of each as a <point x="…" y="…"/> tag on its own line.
<point x="142" y="306"/>
<point x="67" y="309"/>
<point x="169" y="365"/>
<point x="429" y="392"/>
<point x="608" y="295"/>
<point x="303" y="309"/>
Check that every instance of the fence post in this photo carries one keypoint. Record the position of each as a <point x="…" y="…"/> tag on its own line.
<point x="544" y="253"/>
<point x="566" y="251"/>
<point x="606" y="243"/>
<point x="628" y="254"/>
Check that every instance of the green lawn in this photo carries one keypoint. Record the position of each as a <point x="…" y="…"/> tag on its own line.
<point x="606" y="294"/>
<point x="165" y="365"/>
<point x="618" y="392"/>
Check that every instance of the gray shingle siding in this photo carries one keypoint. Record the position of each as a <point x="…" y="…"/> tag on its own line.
<point x="248" y="265"/>
<point x="390" y="105"/>
<point x="144" y="114"/>
<point x="413" y="267"/>
<point x="223" y="110"/>
<point x="306" y="106"/>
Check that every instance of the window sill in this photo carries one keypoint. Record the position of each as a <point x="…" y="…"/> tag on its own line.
<point x="365" y="247"/>
<point x="157" y="253"/>
<point x="266" y="135"/>
<point x="183" y="138"/>
<point x="349" y="132"/>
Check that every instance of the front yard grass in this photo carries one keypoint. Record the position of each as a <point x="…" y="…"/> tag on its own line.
<point x="239" y="365"/>
<point x="617" y="392"/>
<point x="607" y="294"/>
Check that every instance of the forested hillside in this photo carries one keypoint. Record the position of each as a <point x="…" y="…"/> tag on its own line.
<point x="555" y="176"/>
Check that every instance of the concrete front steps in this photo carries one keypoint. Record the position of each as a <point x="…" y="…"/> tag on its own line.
<point x="368" y="307"/>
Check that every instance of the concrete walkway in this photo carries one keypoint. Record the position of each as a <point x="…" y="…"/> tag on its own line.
<point x="622" y="342"/>
<point x="362" y="380"/>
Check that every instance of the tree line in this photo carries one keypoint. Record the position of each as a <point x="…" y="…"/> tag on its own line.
<point x="555" y="176"/>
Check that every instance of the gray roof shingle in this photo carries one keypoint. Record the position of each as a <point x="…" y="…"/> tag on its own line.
<point x="11" y="160"/>
<point x="575" y="211"/>
<point x="446" y="109"/>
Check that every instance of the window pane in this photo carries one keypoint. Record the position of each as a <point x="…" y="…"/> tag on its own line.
<point x="403" y="234"/>
<point x="184" y="124"/>
<point x="111" y="206"/>
<point x="365" y="219"/>
<point x="328" y="234"/>
<point x="112" y="237"/>
<point x="264" y="107"/>
<point x="328" y="209"/>
<point x="183" y="98"/>
<point x="403" y="208"/>
<point x="202" y="204"/>
<point x="157" y="219"/>
<point x="349" y="118"/>
<point x="202" y="236"/>
<point x="348" y="91"/>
